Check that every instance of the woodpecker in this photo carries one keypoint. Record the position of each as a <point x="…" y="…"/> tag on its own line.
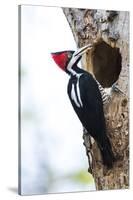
<point x="87" y="97"/>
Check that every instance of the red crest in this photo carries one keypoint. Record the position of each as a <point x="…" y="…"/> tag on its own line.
<point x="60" y="59"/>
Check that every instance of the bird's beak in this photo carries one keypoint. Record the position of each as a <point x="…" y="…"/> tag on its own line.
<point x="82" y="50"/>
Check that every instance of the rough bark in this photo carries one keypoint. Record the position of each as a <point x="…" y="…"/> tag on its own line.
<point x="108" y="61"/>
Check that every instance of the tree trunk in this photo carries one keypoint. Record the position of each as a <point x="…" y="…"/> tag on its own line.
<point x="108" y="61"/>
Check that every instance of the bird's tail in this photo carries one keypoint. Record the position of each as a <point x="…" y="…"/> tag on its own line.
<point x="107" y="153"/>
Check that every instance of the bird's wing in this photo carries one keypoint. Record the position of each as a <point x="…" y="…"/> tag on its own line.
<point x="92" y="112"/>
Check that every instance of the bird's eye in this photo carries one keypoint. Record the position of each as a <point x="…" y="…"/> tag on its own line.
<point x="69" y="56"/>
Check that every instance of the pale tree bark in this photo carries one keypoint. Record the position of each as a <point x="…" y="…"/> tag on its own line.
<point x="108" y="61"/>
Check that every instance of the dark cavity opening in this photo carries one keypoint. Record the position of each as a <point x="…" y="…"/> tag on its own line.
<point x="106" y="64"/>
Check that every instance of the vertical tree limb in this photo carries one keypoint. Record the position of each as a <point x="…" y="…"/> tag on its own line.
<point x="108" y="61"/>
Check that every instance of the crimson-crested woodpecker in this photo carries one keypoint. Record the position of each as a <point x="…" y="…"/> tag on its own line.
<point x="86" y="98"/>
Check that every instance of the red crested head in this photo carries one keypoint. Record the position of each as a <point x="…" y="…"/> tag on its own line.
<point x="62" y="58"/>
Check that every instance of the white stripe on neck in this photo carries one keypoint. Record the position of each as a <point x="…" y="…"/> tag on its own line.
<point x="70" y="65"/>
<point x="76" y="98"/>
<point x="78" y="90"/>
<point x="73" y="96"/>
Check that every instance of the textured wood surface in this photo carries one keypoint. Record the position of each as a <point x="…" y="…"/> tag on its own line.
<point x="108" y="61"/>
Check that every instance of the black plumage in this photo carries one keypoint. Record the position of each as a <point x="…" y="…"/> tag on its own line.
<point x="91" y="112"/>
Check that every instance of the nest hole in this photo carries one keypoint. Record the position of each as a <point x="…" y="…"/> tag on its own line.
<point x="107" y="64"/>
